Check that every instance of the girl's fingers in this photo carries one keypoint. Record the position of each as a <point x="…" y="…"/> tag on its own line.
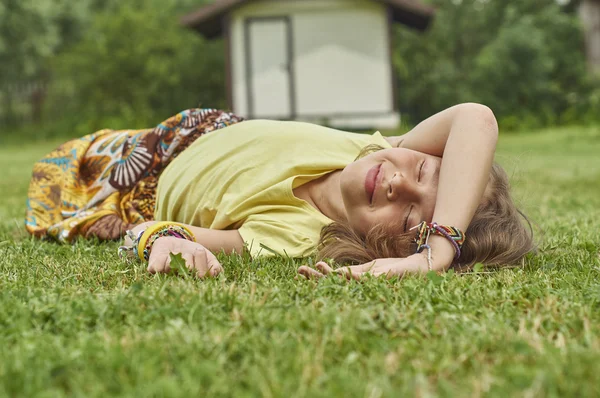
<point x="214" y="266"/>
<point x="327" y="270"/>
<point x="324" y="268"/>
<point x="153" y="265"/>
<point x="197" y="258"/>
<point x="349" y="273"/>
<point x="353" y="272"/>
<point x="206" y="263"/>
<point x="158" y="262"/>
<point x="200" y="262"/>
<point x="167" y="263"/>
<point x="160" y="258"/>
<point x="309" y="273"/>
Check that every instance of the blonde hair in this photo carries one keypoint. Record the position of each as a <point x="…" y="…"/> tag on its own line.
<point x="498" y="235"/>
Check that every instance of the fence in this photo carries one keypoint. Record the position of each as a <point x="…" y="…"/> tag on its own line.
<point x="23" y="103"/>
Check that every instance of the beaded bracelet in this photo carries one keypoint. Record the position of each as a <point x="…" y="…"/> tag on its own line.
<point x="454" y="235"/>
<point x="142" y="243"/>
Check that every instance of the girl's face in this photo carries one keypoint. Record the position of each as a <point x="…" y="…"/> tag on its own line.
<point x="395" y="187"/>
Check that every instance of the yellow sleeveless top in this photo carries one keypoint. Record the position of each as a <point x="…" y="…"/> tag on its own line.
<point x="242" y="177"/>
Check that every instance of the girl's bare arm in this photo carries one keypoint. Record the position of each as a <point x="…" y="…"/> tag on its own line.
<point x="465" y="136"/>
<point x="228" y="241"/>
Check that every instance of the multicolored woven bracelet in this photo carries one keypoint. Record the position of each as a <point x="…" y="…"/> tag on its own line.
<point x="454" y="235"/>
<point x="143" y="241"/>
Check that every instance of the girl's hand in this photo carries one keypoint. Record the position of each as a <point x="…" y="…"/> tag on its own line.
<point x="196" y="257"/>
<point x="416" y="263"/>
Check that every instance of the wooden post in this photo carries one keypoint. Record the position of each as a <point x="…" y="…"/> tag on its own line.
<point x="37" y="101"/>
<point x="589" y="12"/>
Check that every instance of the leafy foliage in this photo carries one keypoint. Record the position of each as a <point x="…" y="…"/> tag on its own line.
<point x="134" y="66"/>
<point x="32" y="31"/>
<point x="524" y="59"/>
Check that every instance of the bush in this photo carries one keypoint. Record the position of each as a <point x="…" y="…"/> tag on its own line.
<point x="133" y="68"/>
<point x="524" y="59"/>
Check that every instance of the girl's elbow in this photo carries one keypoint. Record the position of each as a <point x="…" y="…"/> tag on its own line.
<point x="480" y="113"/>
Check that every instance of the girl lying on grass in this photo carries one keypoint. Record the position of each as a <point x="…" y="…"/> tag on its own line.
<point x="427" y="200"/>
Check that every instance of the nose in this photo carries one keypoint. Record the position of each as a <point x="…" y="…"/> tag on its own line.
<point x="402" y="187"/>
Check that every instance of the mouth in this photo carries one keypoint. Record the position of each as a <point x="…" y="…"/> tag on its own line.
<point x="371" y="182"/>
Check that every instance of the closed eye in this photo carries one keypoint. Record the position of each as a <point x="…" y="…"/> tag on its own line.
<point x="406" y="219"/>
<point x="421" y="170"/>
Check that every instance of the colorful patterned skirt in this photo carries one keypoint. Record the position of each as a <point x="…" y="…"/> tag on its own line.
<point x="104" y="183"/>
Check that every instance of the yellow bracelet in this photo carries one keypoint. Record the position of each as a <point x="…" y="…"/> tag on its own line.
<point x="151" y="230"/>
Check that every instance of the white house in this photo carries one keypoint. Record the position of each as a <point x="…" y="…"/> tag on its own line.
<point x="324" y="61"/>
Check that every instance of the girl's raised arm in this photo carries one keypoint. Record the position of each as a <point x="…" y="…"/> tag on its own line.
<point x="431" y="135"/>
<point x="465" y="137"/>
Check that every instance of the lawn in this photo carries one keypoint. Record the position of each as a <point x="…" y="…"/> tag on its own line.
<point x="76" y="320"/>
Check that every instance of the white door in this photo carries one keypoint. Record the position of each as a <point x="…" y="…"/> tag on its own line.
<point x="269" y="73"/>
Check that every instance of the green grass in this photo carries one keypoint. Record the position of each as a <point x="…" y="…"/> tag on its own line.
<point x="75" y="320"/>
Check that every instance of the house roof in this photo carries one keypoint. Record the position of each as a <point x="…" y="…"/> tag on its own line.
<point x="208" y="19"/>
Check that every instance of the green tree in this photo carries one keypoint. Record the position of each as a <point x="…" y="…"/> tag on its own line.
<point x="136" y="66"/>
<point x="523" y="58"/>
<point x="32" y="31"/>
